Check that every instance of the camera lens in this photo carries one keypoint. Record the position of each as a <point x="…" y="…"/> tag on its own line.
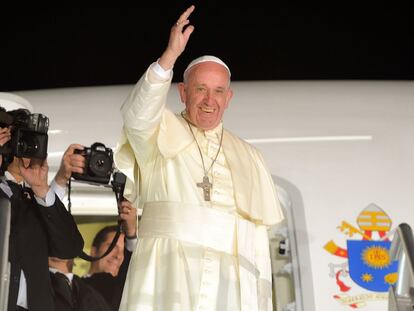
<point x="100" y="164"/>
<point x="28" y="146"/>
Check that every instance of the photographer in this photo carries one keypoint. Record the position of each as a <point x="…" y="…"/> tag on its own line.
<point x="106" y="275"/>
<point x="40" y="226"/>
<point x="71" y="293"/>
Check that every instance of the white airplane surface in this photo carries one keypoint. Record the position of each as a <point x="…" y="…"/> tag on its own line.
<point x="338" y="150"/>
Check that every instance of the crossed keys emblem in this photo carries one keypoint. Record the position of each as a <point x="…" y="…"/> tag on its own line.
<point x="350" y="230"/>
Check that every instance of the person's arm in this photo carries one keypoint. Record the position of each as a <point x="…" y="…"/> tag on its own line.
<point x="71" y="163"/>
<point x="142" y="111"/>
<point x="65" y="240"/>
<point x="179" y="35"/>
<point x="128" y="217"/>
<point x="35" y="174"/>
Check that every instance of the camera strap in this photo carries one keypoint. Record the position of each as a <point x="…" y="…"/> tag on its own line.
<point x="87" y="257"/>
<point x="118" y="189"/>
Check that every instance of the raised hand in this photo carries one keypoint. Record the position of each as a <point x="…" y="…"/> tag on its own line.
<point x="34" y="172"/>
<point x="179" y="35"/>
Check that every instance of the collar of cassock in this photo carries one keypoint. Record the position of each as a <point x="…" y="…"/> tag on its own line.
<point x="171" y="144"/>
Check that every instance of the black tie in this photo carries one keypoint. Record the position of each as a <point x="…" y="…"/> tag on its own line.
<point x="63" y="278"/>
<point x="62" y="286"/>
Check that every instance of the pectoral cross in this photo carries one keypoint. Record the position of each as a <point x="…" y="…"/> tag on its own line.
<point x="206" y="186"/>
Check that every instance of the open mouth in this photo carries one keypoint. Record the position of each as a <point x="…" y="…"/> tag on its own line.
<point x="207" y="109"/>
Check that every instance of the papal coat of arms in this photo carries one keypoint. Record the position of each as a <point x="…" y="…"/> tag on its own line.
<point x="367" y="260"/>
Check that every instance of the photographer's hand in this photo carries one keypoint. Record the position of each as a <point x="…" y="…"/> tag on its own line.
<point x="128" y="215"/>
<point x="35" y="174"/>
<point x="71" y="163"/>
<point x="5" y="135"/>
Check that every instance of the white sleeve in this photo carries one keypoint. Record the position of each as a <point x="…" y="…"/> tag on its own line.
<point x="161" y="72"/>
<point x="58" y="189"/>
<point x="49" y="200"/>
<point x="130" y="244"/>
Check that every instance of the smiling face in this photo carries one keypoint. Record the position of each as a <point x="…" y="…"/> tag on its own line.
<point x="112" y="262"/>
<point x="206" y="94"/>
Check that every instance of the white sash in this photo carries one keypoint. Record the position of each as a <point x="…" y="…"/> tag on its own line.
<point x="209" y="228"/>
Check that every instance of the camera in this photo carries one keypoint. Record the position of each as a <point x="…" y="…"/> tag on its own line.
<point x="98" y="164"/>
<point x="28" y="133"/>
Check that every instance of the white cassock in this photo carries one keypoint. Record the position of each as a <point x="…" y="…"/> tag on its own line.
<point x="193" y="254"/>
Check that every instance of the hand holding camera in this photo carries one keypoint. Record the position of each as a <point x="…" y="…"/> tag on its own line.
<point x="94" y="165"/>
<point x="98" y="164"/>
<point x="28" y="133"/>
<point x="72" y="162"/>
<point x="128" y="217"/>
<point x="5" y="135"/>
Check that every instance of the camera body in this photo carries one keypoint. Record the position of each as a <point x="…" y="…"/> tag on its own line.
<point x="98" y="164"/>
<point x="28" y="133"/>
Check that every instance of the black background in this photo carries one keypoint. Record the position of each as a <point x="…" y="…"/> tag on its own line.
<point x="82" y="46"/>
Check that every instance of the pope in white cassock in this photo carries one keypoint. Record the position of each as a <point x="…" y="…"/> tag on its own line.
<point x="206" y="195"/>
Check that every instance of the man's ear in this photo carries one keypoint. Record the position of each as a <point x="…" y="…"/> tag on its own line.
<point x="182" y="91"/>
<point x="229" y="97"/>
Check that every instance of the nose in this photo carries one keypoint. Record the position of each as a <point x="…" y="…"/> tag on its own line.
<point x="115" y="254"/>
<point x="208" y="96"/>
<point x="119" y="254"/>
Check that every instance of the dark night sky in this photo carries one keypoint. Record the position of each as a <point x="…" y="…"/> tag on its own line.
<point x="48" y="48"/>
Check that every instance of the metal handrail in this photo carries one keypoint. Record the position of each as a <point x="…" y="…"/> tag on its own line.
<point x="5" y="215"/>
<point x="402" y="249"/>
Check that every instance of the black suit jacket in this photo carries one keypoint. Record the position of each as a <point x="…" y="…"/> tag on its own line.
<point x="108" y="286"/>
<point x="36" y="233"/>
<point x="78" y="297"/>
